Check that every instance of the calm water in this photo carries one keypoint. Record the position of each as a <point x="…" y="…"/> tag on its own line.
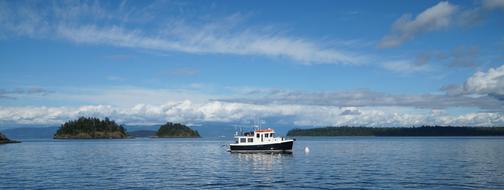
<point x="352" y="162"/>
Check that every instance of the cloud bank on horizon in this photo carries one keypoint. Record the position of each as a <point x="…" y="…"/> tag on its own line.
<point x="428" y="63"/>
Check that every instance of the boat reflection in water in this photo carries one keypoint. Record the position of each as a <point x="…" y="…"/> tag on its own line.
<point x="261" y="163"/>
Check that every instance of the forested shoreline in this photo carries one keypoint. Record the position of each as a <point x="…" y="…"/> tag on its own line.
<point x="399" y="131"/>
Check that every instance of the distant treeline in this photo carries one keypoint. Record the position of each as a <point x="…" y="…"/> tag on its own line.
<point x="400" y="131"/>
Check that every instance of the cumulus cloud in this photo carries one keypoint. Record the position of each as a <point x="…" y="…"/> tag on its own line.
<point x="406" y="28"/>
<point x="490" y="82"/>
<point x="90" y="23"/>
<point x="481" y="84"/>
<point x="215" y="111"/>
<point x="481" y="92"/>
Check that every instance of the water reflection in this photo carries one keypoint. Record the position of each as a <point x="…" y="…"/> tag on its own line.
<point x="267" y="161"/>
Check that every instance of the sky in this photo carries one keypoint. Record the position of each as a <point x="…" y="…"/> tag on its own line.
<point x="299" y="63"/>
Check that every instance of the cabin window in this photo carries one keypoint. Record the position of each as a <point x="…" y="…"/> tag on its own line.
<point x="257" y="135"/>
<point x="236" y="140"/>
<point x="271" y="134"/>
<point x="242" y="140"/>
<point x="266" y="135"/>
<point x="250" y="140"/>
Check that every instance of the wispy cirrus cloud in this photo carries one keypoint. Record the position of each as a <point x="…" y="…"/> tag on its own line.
<point x="406" y="28"/>
<point x="17" y="92"/>
<point x="493" y="4"/>
<point x="406" y="66"/>
<point x="366" y="98"/>
<point x="182" y="71"/>
<point x="90" y="23"/>
<point x="212" y="41"/>
<point x="441" y="16"/>
<point x="460" y="56"/>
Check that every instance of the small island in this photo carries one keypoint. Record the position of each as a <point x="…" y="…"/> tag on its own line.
<point x="90" y="128"/>
<point x="399" y="131"/>
<point x="176" y="130"/>
<point x="5" y="140"/>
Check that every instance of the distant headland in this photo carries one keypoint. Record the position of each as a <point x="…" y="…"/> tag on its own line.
<point x="175" y="130"/>
<point x="91" y="128"/>
<point x="399" y="131"/>
<point x="5" y="140"/>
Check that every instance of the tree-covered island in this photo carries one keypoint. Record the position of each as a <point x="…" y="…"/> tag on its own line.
<point x="91" y="128"/>
<point x="175" y="130"/>
<point x="399" y="131"/>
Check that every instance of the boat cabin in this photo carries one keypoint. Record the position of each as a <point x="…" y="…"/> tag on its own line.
<point x="260" y="140"/>
<point x="257" y="136"/>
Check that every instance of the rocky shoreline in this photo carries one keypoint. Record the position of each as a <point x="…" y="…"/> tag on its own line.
<point x="5" y="140"/>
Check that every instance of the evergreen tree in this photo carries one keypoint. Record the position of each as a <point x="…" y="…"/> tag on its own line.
<point x="91" y="127"/>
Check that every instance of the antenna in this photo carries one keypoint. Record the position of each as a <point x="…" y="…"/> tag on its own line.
<point x="238" y="130"/>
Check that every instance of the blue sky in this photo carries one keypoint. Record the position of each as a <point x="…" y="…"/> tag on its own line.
<point x="400" y="63"/>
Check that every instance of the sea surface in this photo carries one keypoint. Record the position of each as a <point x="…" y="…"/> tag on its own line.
<point x="332" y="163"/>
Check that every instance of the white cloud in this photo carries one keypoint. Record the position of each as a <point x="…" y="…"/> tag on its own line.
<point x="20" y="92"/>
<point x="115" y="78"/>
<point x="406" y="28"/>
<point x="215" y="111"/>
<point x="405" y="66"/>
<point x="438" y="17"/>
<point x="183" y="71"/>
<point x="367" y="98"/>
<point x="493" y="4"/>
<point x="490" y="82"/>
<point x="83" y="23"/>
<point x="124" y="96"/>
<point x="211" y="41"/>
<point x="133" y="105"/>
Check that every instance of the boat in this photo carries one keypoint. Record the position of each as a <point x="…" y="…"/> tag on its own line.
<point x="261" y="140"/>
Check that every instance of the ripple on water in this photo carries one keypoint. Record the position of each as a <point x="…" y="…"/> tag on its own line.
<point x="388" y="163"/>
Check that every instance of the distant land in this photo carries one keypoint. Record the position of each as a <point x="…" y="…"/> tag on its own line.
<point x="400" y="131"/>
<point x="31" y="132"/>
<point x="90" y="128"/>
<point x="205" y="129"/>
<point x="5" y="140"/>
<point x="142" y="133"/>
<point x="170" y="130"/>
